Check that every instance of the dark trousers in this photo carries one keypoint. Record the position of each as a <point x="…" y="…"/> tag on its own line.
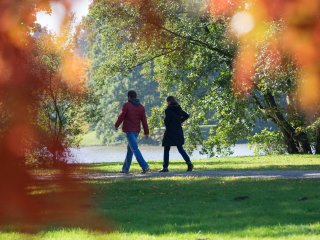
<point x="181" y="151"/>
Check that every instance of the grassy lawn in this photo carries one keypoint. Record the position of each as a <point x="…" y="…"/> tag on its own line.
<point x="279" y="162"/>
<point x="90" y="139"/>
<point x="200" y="209"/>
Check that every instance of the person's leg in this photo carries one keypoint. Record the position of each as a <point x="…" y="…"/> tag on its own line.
<point x="128" y="160"/>
<point x="166" y="157"/>
<point x="132" y="140"/>
<point x="185" y="157"/>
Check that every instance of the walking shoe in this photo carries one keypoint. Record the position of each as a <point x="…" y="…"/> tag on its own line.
<point x="144" y="171"/>
<point x="124" y="172"/>
<point x="190" y="167"/>
<point x="164" y="170"/>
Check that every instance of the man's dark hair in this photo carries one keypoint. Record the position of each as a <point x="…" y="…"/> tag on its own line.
<point x="132" y="94"/>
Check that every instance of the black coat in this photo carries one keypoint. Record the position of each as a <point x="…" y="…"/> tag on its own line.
<point x="174" y="117"/>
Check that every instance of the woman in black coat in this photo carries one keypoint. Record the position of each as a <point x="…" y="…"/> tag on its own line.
<point x="173" y="135"/>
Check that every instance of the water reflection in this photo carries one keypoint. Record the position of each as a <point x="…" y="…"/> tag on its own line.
<point x="98" y="154"/>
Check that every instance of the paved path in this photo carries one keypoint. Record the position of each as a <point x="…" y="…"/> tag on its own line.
<point x="305" y="174"/>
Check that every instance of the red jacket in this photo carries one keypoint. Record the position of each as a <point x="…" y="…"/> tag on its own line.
<point x="132" y="114"/>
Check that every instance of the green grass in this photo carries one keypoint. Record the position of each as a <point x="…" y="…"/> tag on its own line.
<point x="279" y="162"/>
<point x="90" y="139"/>
<point x="199" y="209"/>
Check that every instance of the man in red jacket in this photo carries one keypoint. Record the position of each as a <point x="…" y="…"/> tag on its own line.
<point x="131" y="115"/>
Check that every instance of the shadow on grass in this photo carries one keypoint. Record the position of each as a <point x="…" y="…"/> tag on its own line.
<point x="210" y="164"/>
<point x="180" y="205"/>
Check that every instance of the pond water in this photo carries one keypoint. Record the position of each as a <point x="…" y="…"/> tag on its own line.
<point x="98" y="154"/>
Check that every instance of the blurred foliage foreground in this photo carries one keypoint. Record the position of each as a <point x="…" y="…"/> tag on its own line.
<point x="41" y="89"/>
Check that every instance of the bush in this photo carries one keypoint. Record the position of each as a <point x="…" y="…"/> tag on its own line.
<point x="267" y="142"/>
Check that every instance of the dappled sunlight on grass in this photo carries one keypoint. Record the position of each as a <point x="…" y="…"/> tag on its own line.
<point x="179" y="205"/>
<point x="280" y="162"/>
<point x="281" y="232"/>
<point x="200" y="208"/>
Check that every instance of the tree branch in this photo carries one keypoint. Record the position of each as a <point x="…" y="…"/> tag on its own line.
<point x="152" y="58"/>
<point x="257" y="101"/>
<point x="201" y="44"/>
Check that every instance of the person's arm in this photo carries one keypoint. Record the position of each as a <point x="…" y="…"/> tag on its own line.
<point x="121" y="116"/>
<point x="184" y="116"/>
<point x="145" y="123"/>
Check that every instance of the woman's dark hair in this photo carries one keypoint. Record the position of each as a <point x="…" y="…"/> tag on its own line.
<point x="172" y="99"/>
<point x="173" y="102"/>
<point x="132" y="94"/>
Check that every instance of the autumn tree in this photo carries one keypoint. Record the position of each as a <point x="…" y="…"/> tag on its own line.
<point x="61" y="115"/>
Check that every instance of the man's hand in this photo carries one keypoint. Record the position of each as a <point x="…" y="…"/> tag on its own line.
<point x="116" y="128"/>
<point x="146" y="136"/>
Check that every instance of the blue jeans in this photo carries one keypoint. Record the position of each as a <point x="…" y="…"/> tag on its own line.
<point x="133" y="149"/>
<point x="181" y="151"/>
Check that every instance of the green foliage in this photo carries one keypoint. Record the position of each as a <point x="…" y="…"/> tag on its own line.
<point x="187" y="52"/>
<point x="109" y="50"/>
<point x="267" y="142"/>
<point x="313" y="129"/>
<point x="61" y="115"/>
<point x="109" y="98"/>
<point x="196" y="73"/>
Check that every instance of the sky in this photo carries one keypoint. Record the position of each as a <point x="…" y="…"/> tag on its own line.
<point x="53" y="21"/>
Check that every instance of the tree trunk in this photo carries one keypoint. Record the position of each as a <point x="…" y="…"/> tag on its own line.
<point x="304" y="143"/>
<point x="296" y="143"/>
<point x="291" y="146"/>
